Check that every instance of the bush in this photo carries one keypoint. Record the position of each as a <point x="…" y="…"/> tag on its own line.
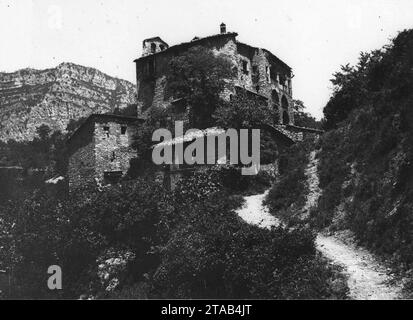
<point x="290" y="188"/>
<point x="366" y="160"/>
<point x="211" y="253"/>
<point x="77" y="232"/>
<point x="134" y="240"/>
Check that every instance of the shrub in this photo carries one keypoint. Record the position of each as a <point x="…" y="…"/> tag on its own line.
<point x="291" y="187"/>
<point x="211" y="253"/>
<point x="370" y="149"/>
<point x="75" y="233"/>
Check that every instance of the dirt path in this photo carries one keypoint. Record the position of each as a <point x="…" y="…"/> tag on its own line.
<point x="367" y="278"/>
<point x="254" y="212"/>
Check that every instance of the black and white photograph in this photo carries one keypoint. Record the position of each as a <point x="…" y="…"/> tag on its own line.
<point x="227" y="150"/>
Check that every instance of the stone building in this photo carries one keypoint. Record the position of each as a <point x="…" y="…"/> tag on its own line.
<point x="100" y="150"/>
<point x="258" y="71"/>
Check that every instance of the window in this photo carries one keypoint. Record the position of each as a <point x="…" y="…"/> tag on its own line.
<point x="123" y="130"/>
<point x="113" y="157"/>
<point x="153" y="47"/>
<point x="267" y="74"/>
<point x="275" y="98"/>
<point x="284" y="103"/>
<point x="162" y="47"/>
<point x="286" y="118"/>
<point x="255" y="74"/>
<point x="282" y="80"/>
<point x="106" y="130"/>
<point x="245" y="66"/>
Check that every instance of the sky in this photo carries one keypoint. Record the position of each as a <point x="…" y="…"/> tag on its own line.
<point x="314" y="37"/>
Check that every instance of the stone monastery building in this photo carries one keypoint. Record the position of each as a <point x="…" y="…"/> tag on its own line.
<point x="100" y="150"/>
<point x="259" y="72"/>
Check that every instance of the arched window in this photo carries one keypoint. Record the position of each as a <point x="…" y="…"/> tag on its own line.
<point x="284" y="103"/>
<point x="275" y="98"/>
<point x="286" y="117"/>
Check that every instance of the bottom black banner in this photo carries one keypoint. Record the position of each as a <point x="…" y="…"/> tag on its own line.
<point x="206" y="309"/>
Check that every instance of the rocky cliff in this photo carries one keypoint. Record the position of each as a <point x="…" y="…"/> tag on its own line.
<point x="30" y="98"/>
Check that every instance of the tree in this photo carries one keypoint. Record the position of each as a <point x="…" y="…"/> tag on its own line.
<point x="350" y="89"/>
<point x="142" y="142"/>
<point x="369" y="144"/>
<point x="248" y="112"/>
<point x="244" y="111"/>
<point x="302" y="118"/>
<point x="199" y="77"/>
<point x="75" y="233"/>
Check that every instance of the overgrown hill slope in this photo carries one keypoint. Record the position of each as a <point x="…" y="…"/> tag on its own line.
<point x="30" y="98"/>
<point x="366" y="160"/>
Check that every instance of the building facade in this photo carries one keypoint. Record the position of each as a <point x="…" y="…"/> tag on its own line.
<point x="100" y="150"/>
<point x="258" y="71"/>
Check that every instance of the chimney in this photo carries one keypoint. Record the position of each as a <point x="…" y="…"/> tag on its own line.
<point x="223" y="28"/>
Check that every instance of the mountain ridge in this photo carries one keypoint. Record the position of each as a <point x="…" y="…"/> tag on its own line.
<point x="30" y="97"/>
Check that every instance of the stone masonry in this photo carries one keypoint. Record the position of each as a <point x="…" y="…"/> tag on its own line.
<point x="258" y="71"/>
<point x="100" y="150"/>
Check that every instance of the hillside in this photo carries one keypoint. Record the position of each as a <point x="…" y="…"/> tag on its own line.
<point x="366" y="158"/>
<point x="354" y="185"/>
<point x="30" y="98"/>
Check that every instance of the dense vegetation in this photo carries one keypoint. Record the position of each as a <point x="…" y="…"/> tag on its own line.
<point x="135" y="240"/>
<point x="303" y="118"/>
<point x="366" y="163"/>
<point x="25" y="164"/>
<point x="79" y="233"/>
<point x="199" y="77"/>
<point x="287" y="197"/>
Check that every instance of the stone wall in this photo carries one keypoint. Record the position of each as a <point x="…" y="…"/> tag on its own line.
<point x="81" y="164"/>
<point x="295" y="135"/>
<point x="102" y="144"/>
<point x="153" y="45"/>
<point x="152" y="71"/>
<point x="266" y="78"/>
<point x="263" y="73"/>
<point x="113" y="149"/>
